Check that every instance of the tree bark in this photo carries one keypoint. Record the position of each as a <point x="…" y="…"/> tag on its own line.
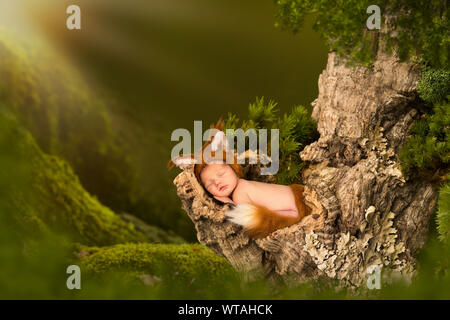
<point x="365" y="212"/>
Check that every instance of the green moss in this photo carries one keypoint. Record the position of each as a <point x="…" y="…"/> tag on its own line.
<point x="170" y="263"/>
<point x="55" y="197"/>
<point x="434" y="85"/>
<point x="187" y="259"/>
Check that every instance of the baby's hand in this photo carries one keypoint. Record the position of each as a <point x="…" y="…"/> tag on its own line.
<point x="224" y="199"/>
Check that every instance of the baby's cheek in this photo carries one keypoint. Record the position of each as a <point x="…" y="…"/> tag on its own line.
<point x="233" y="182"/>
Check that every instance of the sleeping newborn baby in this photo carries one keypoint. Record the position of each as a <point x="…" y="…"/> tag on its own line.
<point x="261" y="208"/>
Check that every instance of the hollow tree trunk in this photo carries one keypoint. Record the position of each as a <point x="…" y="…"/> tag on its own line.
<point x="364" y="212"/>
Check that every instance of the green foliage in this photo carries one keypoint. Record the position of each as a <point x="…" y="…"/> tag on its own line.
<point x="426" y="153"/>
<point x="434" y="85"/>
<point x="296" y="130"/>
<point x="443" y="214"/>
<point x="260" y="115"/>
<point x="423" y="31"/>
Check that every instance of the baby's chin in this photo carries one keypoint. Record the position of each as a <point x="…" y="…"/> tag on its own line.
<point x="222" y="194"/>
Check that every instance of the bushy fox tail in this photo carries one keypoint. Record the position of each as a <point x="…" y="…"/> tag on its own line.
<point x="258" y="221"/>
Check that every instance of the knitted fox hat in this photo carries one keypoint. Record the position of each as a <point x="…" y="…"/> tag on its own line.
<point x="218" y="144"/>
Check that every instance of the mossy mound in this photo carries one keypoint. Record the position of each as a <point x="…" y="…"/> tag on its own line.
<point x="185" y="260"/>
<point x="190" y="266"/>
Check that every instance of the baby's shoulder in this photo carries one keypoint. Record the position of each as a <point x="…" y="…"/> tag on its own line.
<point x="240" y="193"/>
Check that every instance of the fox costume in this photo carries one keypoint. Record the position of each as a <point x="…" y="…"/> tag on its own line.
<point x="257" y="221"/>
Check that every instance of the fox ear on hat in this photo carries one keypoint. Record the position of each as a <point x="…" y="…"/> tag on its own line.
<point x="219" y="125"/>
<point x="219" y="141"/>
<point x="182" y="161"/>
<point x="216" y="141"/>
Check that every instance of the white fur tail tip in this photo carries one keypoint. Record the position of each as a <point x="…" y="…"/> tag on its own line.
<point x="244" y="214"/>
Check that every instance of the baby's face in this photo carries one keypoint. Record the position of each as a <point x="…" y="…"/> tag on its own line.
<point x="219" y="179"/>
